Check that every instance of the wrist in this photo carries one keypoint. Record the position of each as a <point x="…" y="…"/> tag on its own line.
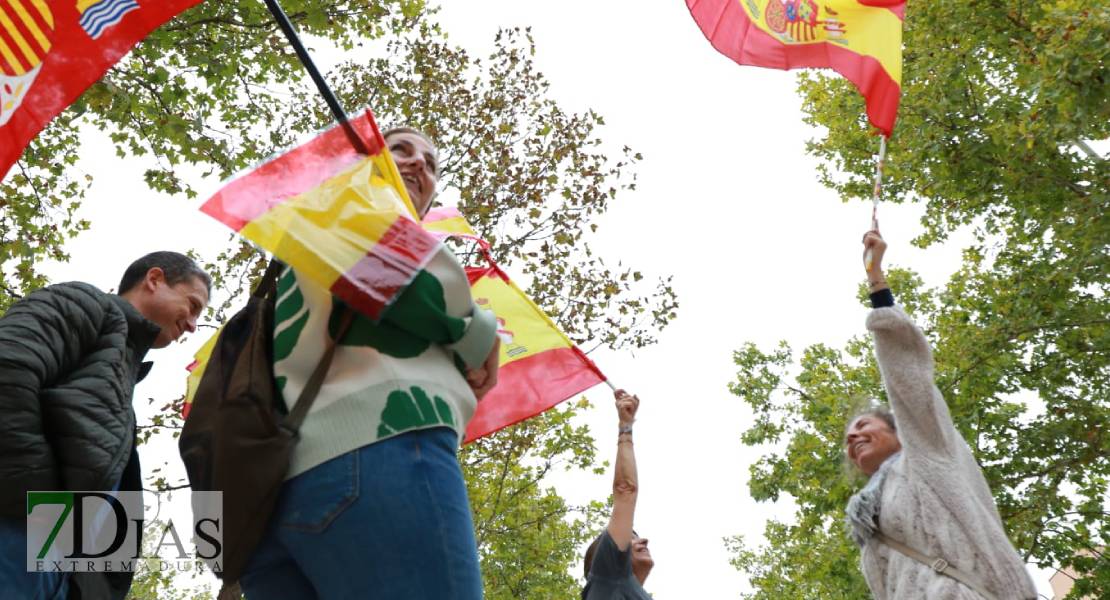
<point x="624" y="428"/>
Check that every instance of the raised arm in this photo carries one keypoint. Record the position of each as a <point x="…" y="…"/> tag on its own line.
<point x="906" y="363"/>
<point x="625" y="484"/>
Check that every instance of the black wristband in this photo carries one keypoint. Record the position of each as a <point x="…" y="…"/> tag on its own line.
<point x="882" y="298"/>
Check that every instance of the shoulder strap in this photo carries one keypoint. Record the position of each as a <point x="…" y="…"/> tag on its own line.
<point x="937" y="564"/>
<point x="269" y="279"/>
<point x="292" y="423"/>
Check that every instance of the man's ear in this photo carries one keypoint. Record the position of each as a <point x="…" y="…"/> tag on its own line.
<point x="154" y="277"/>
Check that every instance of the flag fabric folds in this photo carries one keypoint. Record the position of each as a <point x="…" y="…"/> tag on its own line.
<point x="338" y="217"/>
<point x="52" y="50"/>
<point x="860" y="39"/>
<point x="539" y="366"/>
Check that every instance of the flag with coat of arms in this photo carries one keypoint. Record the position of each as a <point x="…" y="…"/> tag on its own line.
<point x="53" y="50"/>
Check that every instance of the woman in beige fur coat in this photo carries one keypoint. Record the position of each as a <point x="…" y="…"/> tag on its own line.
<point x="926" y="521"/>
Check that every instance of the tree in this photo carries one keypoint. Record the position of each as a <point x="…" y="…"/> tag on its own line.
<point x="997" y="106"/>
<point x="532" y="178"/>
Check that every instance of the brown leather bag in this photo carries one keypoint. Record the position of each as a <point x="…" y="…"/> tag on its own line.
<point x="236" y="439"/>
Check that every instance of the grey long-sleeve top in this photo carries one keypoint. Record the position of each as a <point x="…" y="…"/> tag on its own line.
<point x="935" y="498"/>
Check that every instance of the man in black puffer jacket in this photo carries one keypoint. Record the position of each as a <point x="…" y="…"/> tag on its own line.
<point x="70" y="356"/>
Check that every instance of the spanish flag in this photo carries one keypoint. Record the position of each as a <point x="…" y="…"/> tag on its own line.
<point x="52" y="50"/>
<point x="341" y="218"/>
<point x="860" y="39"/>
<point x="539" y="366"/>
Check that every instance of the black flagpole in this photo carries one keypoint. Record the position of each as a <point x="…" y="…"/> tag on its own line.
<point x="325" y="91"/>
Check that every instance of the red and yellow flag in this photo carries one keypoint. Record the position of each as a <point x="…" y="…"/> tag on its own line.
<point x="539" y="367"/>
<point x="860" y="39"/>
<point x="341" y="218"/>
<point x="52" y="50"/>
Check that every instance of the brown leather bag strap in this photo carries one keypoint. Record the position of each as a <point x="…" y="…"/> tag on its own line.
<point x="292" y="423"/>
<point x="269" y="279"/>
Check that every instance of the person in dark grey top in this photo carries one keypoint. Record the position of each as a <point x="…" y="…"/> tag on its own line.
<point x="618" y="561"/>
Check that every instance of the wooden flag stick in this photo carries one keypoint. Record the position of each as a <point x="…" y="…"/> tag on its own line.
<point x="876" y="195"/>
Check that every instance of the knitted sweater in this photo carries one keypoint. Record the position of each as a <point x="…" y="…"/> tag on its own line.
<point x="401" y="374"/>
<point x="935" y="498"/>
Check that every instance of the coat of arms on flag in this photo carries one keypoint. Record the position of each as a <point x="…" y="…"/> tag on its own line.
<point x="52" y="50"/>
<point x="860" y="39"/>
<point x="98" y="15"/>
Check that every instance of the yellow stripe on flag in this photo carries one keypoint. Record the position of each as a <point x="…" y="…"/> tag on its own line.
<point x="44" y="11"/>
<point x="454" y="224"/>
<point x="524" y="328"/>
<point x="9" y="57"/>
<point x="875" y="32"/>
<point x="30" y="24"/>
<point x="330" y="227"/>
<point x="32" y="57"/>
<point x="865" y="30"/>
<point x="197" y="368"/>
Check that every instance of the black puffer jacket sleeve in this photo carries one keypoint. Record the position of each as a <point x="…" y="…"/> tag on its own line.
<point x="43" y="339"/>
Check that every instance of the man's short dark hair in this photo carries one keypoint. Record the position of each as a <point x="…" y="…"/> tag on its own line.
<point x="176" y="266"/>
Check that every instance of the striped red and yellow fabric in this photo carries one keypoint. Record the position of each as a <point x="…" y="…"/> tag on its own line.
<point x="52" y="50"/>
<point x="860" y="39"/>
<point x="539" y="366"/>
<point x="339" y="217"/>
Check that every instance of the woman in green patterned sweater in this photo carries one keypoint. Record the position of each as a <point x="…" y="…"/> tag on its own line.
<point x="374" y="505"/>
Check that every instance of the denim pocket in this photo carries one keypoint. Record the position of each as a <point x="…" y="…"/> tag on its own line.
<point x="315" y="498"/>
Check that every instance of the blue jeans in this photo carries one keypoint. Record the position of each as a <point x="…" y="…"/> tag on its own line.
<point x="387" y="521"/>
<point x="15" y="581"/>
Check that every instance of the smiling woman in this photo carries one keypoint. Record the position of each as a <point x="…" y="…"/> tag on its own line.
<point x="418" y="162"/>
<point x="926" y="521"/>
<point x="870" y="438"/>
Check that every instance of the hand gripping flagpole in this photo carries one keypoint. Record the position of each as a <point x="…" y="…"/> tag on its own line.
<point x="322" y="85"/>
<point x="875" y="196"/>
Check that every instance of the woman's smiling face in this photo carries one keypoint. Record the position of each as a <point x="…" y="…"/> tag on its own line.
<point x="870" y="440"/>
<point x="418" y="162"/>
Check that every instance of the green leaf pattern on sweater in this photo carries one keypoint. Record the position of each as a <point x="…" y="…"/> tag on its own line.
<point x="290" y="316"/>
<point x="405" y="411"/>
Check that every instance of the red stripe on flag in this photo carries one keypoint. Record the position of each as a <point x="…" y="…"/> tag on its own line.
<point x="898" y="7"/>
<point x="21" y="65"/>
<point x="373" y="282"/>
<point x="879" y="91"/>
<point x="25" y="31"/>
<point x="295" y="172"/>
<point x="527" y="387"/>
<point x="40" y="20"/>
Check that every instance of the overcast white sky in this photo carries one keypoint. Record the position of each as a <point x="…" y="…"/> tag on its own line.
<point x="727" y="202"/>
